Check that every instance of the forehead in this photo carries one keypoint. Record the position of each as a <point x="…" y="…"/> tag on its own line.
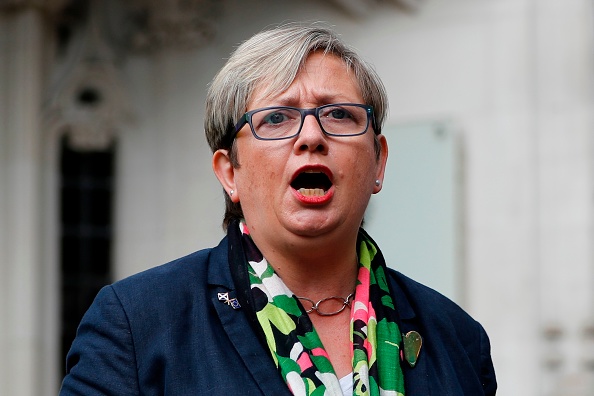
<point x="324" y="76"/>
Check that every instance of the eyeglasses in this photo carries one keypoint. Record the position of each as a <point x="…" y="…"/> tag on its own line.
<point x="283" y="122"/>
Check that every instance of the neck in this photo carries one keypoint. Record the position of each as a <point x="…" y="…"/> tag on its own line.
<point x="312" y="272"/>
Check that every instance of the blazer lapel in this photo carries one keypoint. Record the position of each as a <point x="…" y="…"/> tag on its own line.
<point x="416" y="379"/>
<point x="256" y="359"/>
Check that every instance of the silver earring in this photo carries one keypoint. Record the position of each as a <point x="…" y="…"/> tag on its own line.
<point x="231" y="192"/>
<point x="378" y="182"/>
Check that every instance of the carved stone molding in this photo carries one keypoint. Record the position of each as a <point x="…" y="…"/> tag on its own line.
<point x="89" y="108"/>
<point x="362" y="7"/>
<point x="52" y="6"/>
<point x="409" y="4"/>
<point x="177" y="24"/>
<point x="87" y="100"/>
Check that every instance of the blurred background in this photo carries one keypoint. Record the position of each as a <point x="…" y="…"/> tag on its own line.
<point x="489" y="192"/>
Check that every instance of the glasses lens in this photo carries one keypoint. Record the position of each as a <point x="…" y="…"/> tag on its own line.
<point x="276" y="123"/>
<point x="344" y="119"/>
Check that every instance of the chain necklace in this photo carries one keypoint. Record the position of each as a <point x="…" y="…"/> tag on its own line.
<point x="346" y="302"/>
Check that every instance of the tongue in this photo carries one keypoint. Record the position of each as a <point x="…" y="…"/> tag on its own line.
<point x="312" y="192"/>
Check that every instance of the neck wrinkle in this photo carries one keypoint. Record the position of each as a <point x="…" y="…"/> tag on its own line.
<point x="315" y="267"/>
<point x="316" y="282"/>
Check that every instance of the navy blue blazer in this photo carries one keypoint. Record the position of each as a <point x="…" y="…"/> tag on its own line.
<point x="165" y="332"/>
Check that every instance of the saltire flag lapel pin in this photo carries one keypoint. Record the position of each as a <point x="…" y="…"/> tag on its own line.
<point x="232" y="302"/>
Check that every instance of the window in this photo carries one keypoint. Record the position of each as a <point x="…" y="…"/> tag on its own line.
<point x="86" y="196"/>
<point x="417" y="219"/>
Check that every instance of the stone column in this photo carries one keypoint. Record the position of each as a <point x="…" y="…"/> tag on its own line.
<point x="564" y="64"/>
<point x="27" y="364"/>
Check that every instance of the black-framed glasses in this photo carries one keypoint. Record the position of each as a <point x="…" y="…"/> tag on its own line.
<point x="284" y="122"/>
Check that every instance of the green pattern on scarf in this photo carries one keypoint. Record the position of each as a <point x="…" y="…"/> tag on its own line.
<point x="296" y="347"/>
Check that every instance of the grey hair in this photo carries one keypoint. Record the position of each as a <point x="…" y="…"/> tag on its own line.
<point x="274" y="57"/>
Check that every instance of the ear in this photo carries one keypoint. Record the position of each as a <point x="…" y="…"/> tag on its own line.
<point x="224" y="171"/>
<point x="381" y="163"/>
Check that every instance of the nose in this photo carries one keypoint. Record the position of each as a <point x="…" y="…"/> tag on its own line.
<point x="311" y="138"/>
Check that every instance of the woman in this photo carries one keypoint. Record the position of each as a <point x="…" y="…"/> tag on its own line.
<point x="297" y="298"/>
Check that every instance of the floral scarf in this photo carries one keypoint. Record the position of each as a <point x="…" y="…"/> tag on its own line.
<point x="293" y="342"/>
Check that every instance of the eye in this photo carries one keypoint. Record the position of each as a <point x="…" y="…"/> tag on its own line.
<point x="276" y="122"/>
<point x="339" y="114"/>
<point x="344" y="119"/>
<point x="275" y="118"/>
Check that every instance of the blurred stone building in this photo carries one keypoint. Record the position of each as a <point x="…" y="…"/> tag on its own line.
<point x="489" y="195"/>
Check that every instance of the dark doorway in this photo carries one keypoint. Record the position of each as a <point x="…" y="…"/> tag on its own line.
<point x="86" y="234"/>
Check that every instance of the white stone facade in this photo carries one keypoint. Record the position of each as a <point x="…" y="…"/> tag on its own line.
<point x="516" y="77"/>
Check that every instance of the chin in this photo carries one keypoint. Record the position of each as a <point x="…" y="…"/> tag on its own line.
<point x="313" y="226"/>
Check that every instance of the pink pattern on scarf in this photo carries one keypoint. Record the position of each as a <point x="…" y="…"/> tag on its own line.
<point x="304" y="361"/>
<point x="244" y="229"/>
<point x="363" y="309"/>
<point x="320" y="352"/>
<point x="361" y="304"/>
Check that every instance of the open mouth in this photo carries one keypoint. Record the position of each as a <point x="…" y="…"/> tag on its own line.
<point x="312" y="183"/>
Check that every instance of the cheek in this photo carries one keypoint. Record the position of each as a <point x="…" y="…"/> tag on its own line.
<point x="256" y="181"/>
<point x="362" y="167"/>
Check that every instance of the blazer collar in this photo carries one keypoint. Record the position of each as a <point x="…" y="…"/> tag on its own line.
<point x="416" y="379"/>
<point x="403" y="305"/>
<point x="256" y="359"/>
<point x="218" y="266"/>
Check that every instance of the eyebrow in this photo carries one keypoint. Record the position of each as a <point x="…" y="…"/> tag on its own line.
<point x="324" y="99"/>
<point x="291" y="100"/>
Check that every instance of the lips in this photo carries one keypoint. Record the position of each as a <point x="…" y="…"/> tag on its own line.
<point x="313" y="184"/>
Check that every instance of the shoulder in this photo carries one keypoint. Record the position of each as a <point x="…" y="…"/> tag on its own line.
<point x="422" y="301"/>
<point x="452" y="330"/>
<point x="187" y="272"/>
<point x="140" y="322"/>
<point x="168" y="275"/>
<point x="164" y="291"/>
<point x="449" y="334"/>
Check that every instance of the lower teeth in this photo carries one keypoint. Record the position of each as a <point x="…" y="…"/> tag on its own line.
<point x="312" y="192"/>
